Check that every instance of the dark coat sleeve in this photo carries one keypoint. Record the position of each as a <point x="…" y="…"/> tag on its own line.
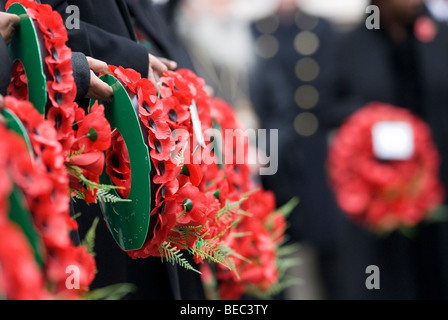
<point x="81" y="73"/>
<point x="103" y="45"/>
<point x="155" y="22"/>
<point x="5" y="67"/>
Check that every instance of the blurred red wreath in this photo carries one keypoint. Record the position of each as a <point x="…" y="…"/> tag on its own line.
<point x="384" y="195"/>
<point x="43" y="179"/>
<point x="16" y="253"/>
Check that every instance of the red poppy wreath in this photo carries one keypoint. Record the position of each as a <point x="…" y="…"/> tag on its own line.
<point x="42" y="178"/>
<point x="211" y="209"/>
<point x="379" y="193"/>
<point x="16" y="253"/>
<point x="200" y="205"/>
<point x="181" y="212"/>
<point x="83" y="137"/>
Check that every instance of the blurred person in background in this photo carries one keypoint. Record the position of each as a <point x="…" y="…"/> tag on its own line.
<point x="218" y="39"/>
<point x="439" y="9"/>
<point x="292" y="49"/>
<point x="403" y="63"/>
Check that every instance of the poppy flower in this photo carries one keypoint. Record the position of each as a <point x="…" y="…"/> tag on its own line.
<point x="128" y="76"/>
<point x="94" y="131"/>
<point x="177" y="113"/>
<point x="71" y="256"/>
<point x="190" y="206"/>
<point x="61" y="99"/>
<point x="190" y="173"/>
<point x="181" y="153"/>
<point x="192" y="77"/>
<point x="117" y="154"/>
<point x="6" y="186"/>
<point x="44" y="135"/>
<point x="166" y="191"/>
<point x="165" y="171"/>
<point x="24" y="110"/>
<point x="63" y="76"/>
<point x="51" y="229"/>
<point x="18" y="87"/>
<point x="202" y="99"/>
<point x="216" y="227"/>
<point x="157" y="125"/>
<point x="258" y="270"/>
<point x="177" y="86"/>
<point x="147" y="90"/>
<point x="59" y="55"/>
<point x="118" y="165"/>
<point x="21" y="278"/>
<point x="50" y="23"/>
<point x="92" y="162"/>
<point x="62" y="120"/>
<point x="26" y="176"/>
<point x="260" y="204"/>
<point x="161" y="148"/>
<point x="147" y="99"/>
<point x="222" y="113"/>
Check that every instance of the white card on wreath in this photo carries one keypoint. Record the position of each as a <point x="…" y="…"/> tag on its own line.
<point x="393" y="140"/>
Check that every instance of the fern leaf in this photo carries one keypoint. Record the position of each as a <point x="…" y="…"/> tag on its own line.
<point x="175" y="256"/>
<point x="228" y="208"/>
<point x="76" y="172"/>
<point x="287" y="208"/>
<point x="241" y="234"/>
<point x="209" y="250"/>
<point x="112" y="292"/>
<point x="227" y="251"/>
<point x="276" y="288"/>
<point x="284" y="264"/>
<point x="106" y="197"/>
<point x="89" y="240"/>
<point x="206" y="249"/>
<point x="179" y="158"/>
<point x="232" y="225"/>
<point x="286" y="250"/>
<point x="76" y="153"/>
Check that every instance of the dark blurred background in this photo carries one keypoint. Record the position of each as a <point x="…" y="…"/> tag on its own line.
<point x="302" y="67"/>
